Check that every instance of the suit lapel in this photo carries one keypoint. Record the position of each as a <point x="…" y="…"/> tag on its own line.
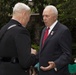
<point x="42" y="37"/>
<point x="52" y="33"/>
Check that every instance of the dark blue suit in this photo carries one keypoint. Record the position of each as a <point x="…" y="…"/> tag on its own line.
<point x="57" y="48"/>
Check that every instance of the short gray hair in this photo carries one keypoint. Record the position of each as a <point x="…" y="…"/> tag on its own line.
<point x="21" y="6"/>
<point x="53" y="8"/>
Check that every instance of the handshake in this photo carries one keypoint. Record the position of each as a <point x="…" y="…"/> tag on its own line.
<point x="33" y="51"/>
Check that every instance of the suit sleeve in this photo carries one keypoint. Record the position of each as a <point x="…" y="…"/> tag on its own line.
<point x="65" y="42"/>
<point x="23" y="45"/>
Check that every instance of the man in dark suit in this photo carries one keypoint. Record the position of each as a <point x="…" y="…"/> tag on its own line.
<point x="16" y="55"/>
<point x="55" y="45"/>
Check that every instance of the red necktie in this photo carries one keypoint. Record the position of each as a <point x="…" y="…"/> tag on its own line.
<point x="45" y="35"/>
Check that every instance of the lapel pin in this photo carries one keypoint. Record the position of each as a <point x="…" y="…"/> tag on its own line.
<point x="52" y="32"/>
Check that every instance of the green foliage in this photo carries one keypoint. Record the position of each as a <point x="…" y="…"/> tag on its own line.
<point x="4" y="8"/>
<point x="66" y="8"/>
<point x="67" y="11"/>
<point x="35" y="46"/>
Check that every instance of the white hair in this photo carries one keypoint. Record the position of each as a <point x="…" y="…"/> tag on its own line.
<point x="53" y="8"/>
<point x="20" y="7"/>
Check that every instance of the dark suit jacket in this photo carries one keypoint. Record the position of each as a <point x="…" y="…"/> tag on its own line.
<point x="15" y="43"/>
<point x="57" y="48"/>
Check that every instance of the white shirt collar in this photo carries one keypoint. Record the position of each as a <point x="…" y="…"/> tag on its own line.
<point x="52" y="26"/>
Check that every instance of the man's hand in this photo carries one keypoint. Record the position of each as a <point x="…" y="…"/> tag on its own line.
<point x="33" y="51"/>
<point x="49" y="67"/>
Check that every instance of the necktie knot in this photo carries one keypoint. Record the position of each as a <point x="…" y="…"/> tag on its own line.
<point x="48" y="28"/>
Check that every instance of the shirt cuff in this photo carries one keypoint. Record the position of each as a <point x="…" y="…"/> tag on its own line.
<point x="55" y="69"/>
